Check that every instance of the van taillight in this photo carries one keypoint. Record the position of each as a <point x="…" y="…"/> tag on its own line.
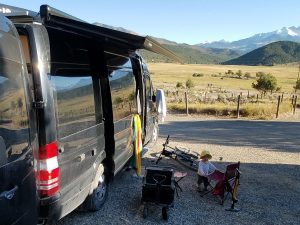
<point x="47" y="170"/>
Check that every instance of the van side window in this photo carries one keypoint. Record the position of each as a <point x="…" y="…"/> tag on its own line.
<point x="14" y="131"/>
<point x="122" y="85"/>
<point x="74" y="98"/>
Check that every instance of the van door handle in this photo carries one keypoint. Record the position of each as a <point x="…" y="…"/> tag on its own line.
<point x="9" y="194"/>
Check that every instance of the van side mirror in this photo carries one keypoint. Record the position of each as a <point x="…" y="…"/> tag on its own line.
<point x="153" y="98"/>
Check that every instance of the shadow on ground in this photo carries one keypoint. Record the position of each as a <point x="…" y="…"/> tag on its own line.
<point x="282" y="136"/>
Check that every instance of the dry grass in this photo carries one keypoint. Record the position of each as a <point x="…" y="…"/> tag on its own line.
<point x="167" y="75"/>
<point x="251" y="110"/>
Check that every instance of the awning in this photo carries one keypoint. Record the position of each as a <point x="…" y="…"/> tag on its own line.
<point x="54" y="18"/>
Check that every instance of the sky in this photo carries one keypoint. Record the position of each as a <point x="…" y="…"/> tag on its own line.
<point x="183" y="21"/>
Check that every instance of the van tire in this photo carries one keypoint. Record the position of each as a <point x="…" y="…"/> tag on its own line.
<point x="96" y="200"/>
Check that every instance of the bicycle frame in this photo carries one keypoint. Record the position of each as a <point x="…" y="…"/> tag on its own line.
<point x="185" y="158"/>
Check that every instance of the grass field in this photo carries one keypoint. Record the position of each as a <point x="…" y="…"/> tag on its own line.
<point x="167" y="75"/>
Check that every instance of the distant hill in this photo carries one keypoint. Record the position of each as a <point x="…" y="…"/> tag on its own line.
<point x="191" y="54"/>
<point x="275" y="53"/>
<point x="258" y="40"/>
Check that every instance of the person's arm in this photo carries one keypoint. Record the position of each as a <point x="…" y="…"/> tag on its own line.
<point x="212" y="168"/>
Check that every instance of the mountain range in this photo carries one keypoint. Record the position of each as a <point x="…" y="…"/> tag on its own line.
<point x="280" y="52"/>
<point x="241" y="51"/>
<point x="257" y="40"/>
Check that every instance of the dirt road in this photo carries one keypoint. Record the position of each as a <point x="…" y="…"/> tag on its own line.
<point x="269" y="193"/>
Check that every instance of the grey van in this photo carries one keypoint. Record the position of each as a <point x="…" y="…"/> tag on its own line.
<point x="68" y="90"/>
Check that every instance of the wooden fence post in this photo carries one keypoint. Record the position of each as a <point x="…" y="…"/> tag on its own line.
<point x="282" y="97"/>
<point x="248" y="96"/>
<point x="295" y="105"/>
<point x="278" y="104"/>
<point x="238" y="106"/>
<point x="257" y="98"/>
<point x="186" y="103"/>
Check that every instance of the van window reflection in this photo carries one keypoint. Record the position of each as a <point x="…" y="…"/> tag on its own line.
<point x="14" y="131"/>
<point x="74" y="99"/>
<point x="122" y="85"/>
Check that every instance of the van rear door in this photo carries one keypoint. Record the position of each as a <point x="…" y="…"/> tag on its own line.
<point x="17" y="182"/>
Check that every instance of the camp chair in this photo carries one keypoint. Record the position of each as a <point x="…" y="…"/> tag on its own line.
<point x="225" y="183"/>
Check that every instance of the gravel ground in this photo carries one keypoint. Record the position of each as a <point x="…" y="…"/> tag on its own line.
<point x="270" y="182"/>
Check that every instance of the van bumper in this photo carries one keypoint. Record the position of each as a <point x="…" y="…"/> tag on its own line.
<point x="54" y="208"/>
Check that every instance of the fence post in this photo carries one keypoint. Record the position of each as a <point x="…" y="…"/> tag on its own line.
<point x="248" y="96"/>
<point x="238" y="106"/>
<point x="295" y="105"/>
<point x="186" y="103"/>
<point x="278" y="104"/>
<point x="282" y="97"/>
<point x="257" y="98"/>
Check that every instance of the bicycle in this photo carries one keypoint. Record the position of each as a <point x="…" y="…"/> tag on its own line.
<point x="181" y="155"/>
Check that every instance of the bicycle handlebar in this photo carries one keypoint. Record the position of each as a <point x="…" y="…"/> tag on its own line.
<point x="164" y="147"/>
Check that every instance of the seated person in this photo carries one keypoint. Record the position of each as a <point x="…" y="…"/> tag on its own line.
<point x="205" y="168"/>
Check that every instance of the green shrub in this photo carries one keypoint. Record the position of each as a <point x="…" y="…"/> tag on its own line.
<point x="179" y="85"/>
<point x="189" y="84"/>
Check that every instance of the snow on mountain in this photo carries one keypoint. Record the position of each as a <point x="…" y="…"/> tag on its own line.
<point x="257" y="40"/>
<point x="291" y="32"/>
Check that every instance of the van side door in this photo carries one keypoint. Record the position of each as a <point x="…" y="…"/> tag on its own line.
<point x="17" y="180"/>
<point x="123" y="94"/>
<point x="150" y="110"/>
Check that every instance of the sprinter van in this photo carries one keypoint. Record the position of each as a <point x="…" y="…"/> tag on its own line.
<point x="68" y="90"/>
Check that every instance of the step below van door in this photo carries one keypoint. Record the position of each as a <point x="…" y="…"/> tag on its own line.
<point x="17" y="182"/>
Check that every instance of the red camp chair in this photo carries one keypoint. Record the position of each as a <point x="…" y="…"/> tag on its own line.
<point x="225" y="183"/>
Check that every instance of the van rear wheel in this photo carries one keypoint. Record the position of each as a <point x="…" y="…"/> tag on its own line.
<point x="96" y="200"/>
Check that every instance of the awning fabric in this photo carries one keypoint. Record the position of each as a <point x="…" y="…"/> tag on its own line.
<point x="56" y="19"/>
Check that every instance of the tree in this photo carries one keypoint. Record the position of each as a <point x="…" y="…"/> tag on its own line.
<point x="189" y="84"/>
<point x="239" y="73"/>
<point x="247" y="75"/>
<point x="265" y="83"/>
<point x="230" y="72"/>
<point x="179" y="85"/>
<point x="297" y="87"/>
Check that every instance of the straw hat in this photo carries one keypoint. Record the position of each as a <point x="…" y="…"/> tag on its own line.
<point x="205" y="153"/>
